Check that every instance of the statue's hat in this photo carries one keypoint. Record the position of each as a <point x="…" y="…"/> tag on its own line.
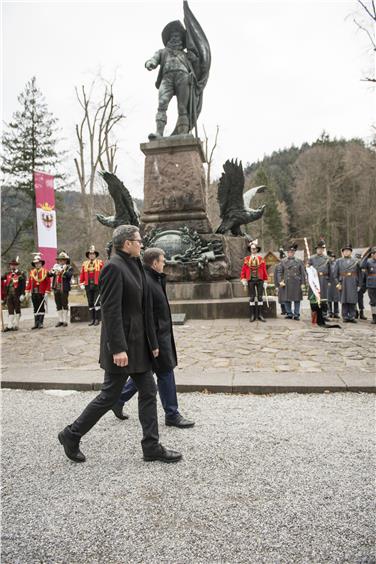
<point x="176" y="25"/>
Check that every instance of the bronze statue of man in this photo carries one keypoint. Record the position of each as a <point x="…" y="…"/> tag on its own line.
<point x="184" y="65"/>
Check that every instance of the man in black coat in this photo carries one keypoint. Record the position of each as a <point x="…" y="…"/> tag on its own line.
<point x="166" y="361"/>
<point x="128" y="345"/>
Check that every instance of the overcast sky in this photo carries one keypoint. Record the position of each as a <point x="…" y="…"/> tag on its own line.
<point x="282" y="72"/>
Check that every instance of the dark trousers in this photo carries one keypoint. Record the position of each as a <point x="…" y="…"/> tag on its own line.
<point x="333" y="307"/>
<point x="13" y="303"/>
<point x="255" y="286"/>
<point x="372" y="296"/>
<point x="361" y="293"/>
<point x="348" y="311"/>
<point x="37" y="299"/>
<point x="92" y="293"/>
<point x="61" y="300"/>
<point x="166" y="388"/>
<point x="103" y="402"/>
<point x="289" y="309"/>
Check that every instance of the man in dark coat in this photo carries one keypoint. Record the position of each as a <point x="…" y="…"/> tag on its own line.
<point x="128" y="345"/>
<point x="369" y="266"/>
<point x="166" y="361"/>
<point x="333" y="293"/>
<point x="347" y="277"/>
<point x="293" y="279"/>
<point x="321" y="262"/>
<point x="280" y="290"/>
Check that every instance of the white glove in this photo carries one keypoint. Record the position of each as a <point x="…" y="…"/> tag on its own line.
<point x="265" y="284"/>
<point x="22" y="297"/>
<point x="82" y="286"/>
<point x="244" y="282"/>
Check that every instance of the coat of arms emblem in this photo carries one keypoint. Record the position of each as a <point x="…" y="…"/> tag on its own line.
<point x="47" y="215"/>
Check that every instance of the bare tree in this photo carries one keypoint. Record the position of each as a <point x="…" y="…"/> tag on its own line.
<point x="209" y="153"/>
<point x="96" y="147"/>
<point x="369" y="11"/>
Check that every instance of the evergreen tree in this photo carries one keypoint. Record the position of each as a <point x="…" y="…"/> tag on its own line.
<point x="271" y="228"/>
<point x="29" y="144"/>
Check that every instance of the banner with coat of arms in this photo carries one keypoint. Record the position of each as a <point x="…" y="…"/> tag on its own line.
<point x="46" y="216"/>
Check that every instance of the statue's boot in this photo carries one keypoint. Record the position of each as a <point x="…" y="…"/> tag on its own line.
<point x="160" y="120"/>
<point x="182" y="125"/>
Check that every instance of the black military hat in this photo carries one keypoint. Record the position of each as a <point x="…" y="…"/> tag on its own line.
<point x="321" y="244"/>
<point x="331" y="254"/>
<point x="349" y="247"/>
<point x="292" y="247"/>
<point x="176" y="25"/>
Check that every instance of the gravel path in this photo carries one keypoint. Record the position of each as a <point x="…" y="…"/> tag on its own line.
<point x="271" y="479"/>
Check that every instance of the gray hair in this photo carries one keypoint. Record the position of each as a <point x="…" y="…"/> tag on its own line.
<point x="152" y="254"/>
<point x="123" y="233"/>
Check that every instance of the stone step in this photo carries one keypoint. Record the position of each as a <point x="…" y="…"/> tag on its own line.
<point x="220" y="309"/>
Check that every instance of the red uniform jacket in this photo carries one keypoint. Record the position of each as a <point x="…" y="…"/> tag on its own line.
<point x="15" y="278"/>
<point x="91" y="270"/>
<point x="39" y="279"/>
<point x="260" y="267"/>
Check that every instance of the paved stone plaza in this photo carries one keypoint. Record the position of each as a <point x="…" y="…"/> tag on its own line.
<point x="287" y="478"/>
<point x="219" y="355"/>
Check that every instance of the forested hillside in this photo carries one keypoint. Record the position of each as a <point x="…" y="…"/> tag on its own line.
<point x="327" y="189"/>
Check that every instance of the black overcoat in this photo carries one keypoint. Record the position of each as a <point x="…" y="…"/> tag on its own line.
<point x="127" y="315"/>
<point x="167" y="358"/>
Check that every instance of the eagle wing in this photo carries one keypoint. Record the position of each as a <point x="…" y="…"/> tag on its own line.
<point x="251" y="193"/>
<point x="125" y="212"/>
<point x="230" y="189"/>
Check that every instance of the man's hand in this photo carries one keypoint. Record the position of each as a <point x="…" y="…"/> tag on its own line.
<point x="22" y="297"/>
<point x="265" y="284"/>
<point x="302" y="287"/>
<point x="282" y="283"/>
<point x="244" y="282"/>
<point x="339" y="286"/>
<point x="120" y="359"/>
<point x="150" y="65"/>
<point x="155" y="353"/>
<point x="82" y="286"/>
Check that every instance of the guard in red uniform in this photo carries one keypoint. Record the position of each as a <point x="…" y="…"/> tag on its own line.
<point x="61" y="274"/>
<point x="38" y="285"/>
<point x="89" y="280"/>
<point x="254" y="275"/>
<point x="14" y="293"/>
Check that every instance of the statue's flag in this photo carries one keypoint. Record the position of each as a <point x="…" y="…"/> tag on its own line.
<point x="46" y="216"/>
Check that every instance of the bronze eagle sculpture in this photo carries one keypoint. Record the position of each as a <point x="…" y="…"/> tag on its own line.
<point x="233" y="203"/>
<point x="126" y="212"/>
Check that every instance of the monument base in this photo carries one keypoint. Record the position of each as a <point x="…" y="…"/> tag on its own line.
<point x="221" y="309"/>
<point x="174" y="185"/>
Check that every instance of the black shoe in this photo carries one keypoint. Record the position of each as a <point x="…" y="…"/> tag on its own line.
<point x="96" y="322"/>
<point x="118" y="410"/>
<point x="261" y="317"/>
<point x="336" y="316"/>
<point x="164" y="455"/>
<point x="356" y="314"/>
<point x="296" y="317"/>
<point x="352" y="320"/>
<point x="65" y="324"/>
<point x="179" y="421"/>
<point x="373" y="322"/>
<point x="10" y="329"/>
<point x="91" y="323"/>
<point x="71" y="447"/>
<point x="362" y="316"/>
<point x="59" y="324"/>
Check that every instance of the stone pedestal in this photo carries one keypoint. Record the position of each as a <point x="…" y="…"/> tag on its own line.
<point x="174" y="184"/>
